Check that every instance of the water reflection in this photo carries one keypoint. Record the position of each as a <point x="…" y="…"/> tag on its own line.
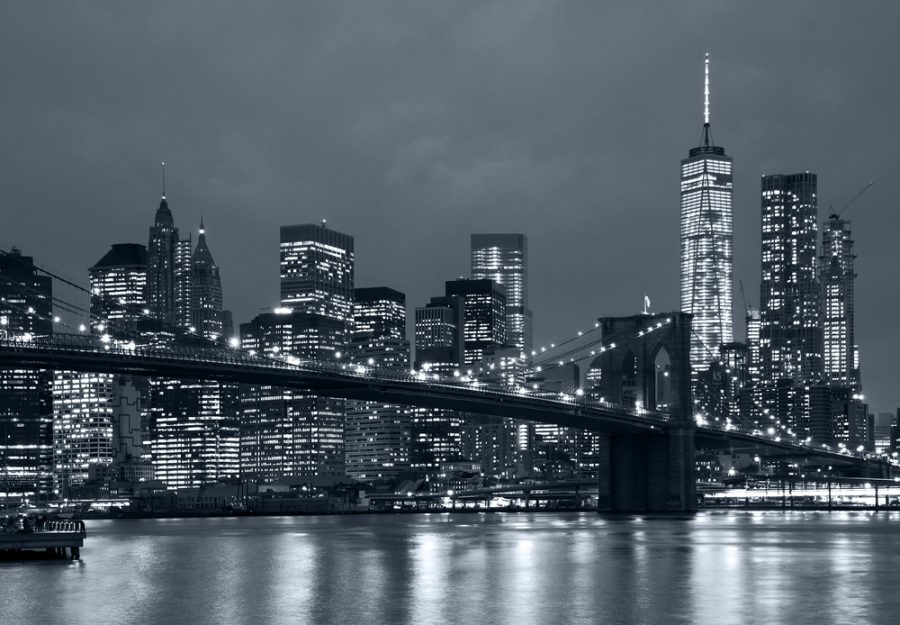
<point x="765" y="567"/>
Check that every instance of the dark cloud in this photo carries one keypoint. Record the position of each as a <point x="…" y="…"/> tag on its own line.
<point x="410" y="125"/>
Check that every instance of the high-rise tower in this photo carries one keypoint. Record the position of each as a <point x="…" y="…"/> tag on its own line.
<point x="161" y="262"/>
<point x="503" y="258"/>
<point x="206" y="291"/>
<point x="26" y="417"/>
<point x="790" y="330"/>
<point x="707" y="243"/>
<point x="836" y="275"/>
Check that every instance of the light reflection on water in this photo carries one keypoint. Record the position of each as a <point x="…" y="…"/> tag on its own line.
<point x="732" y="567"/>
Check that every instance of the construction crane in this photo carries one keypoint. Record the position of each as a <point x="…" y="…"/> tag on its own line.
<point x="846" y="204"/>
<point x="744" y="297"/>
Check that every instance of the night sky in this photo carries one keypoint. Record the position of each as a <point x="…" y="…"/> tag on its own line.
<point x="410" y="125"/>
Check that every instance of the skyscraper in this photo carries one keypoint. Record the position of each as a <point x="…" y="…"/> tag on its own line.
<point x="841" y="360"/>
<point x="97" y="420"/>
<point x="26" y="416"/>
<point x="377" y="435"/>
<point x="195" y="422"/>
<point x="119" y="291"/>
<point x="484" y="317"/>
<point x="206" y="291"/>
<point x="503" y="258"/>
<point x="317" y="271"/>
<point x="707" y="243"/>
<point x="161" y="265"/>
<point x="790" y="329"/>
<point x="286" y="432"/>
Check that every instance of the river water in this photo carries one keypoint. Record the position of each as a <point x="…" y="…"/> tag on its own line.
<point x="729" y="567"/>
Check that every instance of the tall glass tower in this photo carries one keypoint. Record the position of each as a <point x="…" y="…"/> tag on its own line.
<point x="707" y="243"/>
<point x="790" y="331"/>
<point x="503" y="258"/>
<point x="836" y="275"/>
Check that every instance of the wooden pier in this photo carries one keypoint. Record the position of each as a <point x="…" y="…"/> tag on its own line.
<point x="60" y="538"/>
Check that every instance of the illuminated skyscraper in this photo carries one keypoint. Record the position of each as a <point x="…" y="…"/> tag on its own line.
<point x="707" y="243"/>
<point x="841" y="355"/>
<point x="206" y="291"/>
<point x="195" y="422"/>
<point x="790" y="330"/>
<point x="377" y="435"/>
<point x="317" y="271"/>
<point x="288" y="432"/>
<point x="503" y="258"/>
<point x="484" y="316"/>
<point x="161" y="264"/>
<point x="26" y="416"/>
<point x="119" y="289"/>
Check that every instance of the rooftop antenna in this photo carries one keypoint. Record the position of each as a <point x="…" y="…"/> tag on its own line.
<point x="164" y="178"/>
<point x="706" y="101"/>
<point x="706" y="90"/>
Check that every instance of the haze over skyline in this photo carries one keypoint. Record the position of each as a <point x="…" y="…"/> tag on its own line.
<point x="410" y="126"/>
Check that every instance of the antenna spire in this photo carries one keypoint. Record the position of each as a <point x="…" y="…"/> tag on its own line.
<point x="706" y="90"/>
<point x="164" y="178"/>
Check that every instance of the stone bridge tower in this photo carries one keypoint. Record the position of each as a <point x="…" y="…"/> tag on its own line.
<point x="650" y="369"/>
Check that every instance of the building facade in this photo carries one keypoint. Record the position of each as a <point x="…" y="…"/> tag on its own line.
<point x="26" y="414"/>
<point x="836" y="276"/>
<point x="503" y="258"/>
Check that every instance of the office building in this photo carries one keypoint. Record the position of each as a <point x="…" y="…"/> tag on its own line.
<point x="503" y="258"/>
<point x="707" y="243"/>
<point x="26" y="415"/>
<point x="836" y="275"/>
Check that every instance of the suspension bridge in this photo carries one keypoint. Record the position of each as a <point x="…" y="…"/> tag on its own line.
<point x="647" y="417"/>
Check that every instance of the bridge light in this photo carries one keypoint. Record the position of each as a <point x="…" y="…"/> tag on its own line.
<point x="596" y="324"/>
<point x="337" y="354"/>
<point x="101" y="328"/>
<point x="56" y="319"/>
<point x="579" y="392"/>
<point x="456" y="373"/>
<point x="104" y="338"/>
<point x="860" y="448"/>
<point x="371" y="361"/>
<point x="81" y="328"/>
<point x="234" y="342"/>
<point x="771" y="431"/>
<point x="580" y="333"/>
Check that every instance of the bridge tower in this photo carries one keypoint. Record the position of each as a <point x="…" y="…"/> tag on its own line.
<point x="649" y="368"/>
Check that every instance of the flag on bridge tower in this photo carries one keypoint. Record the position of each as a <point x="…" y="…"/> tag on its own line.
<point x="646" y="310"/>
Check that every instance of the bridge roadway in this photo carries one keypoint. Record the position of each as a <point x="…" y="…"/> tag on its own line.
<point x="351" y="381"/>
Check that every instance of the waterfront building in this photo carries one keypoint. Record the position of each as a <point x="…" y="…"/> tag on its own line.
<point x="285" y="432"/>
<point x="503" y="258"/>
<point x="26" y="415"/>
<point x="377" y="435"/>
<point x="196" y="439"/>
<point x="836" y="275"/>
<point x="707" y="243"/>
<point x="790" y="333"/>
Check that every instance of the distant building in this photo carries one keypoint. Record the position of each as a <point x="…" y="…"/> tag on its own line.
<point x="836" y="275"/>
<point x="206" y="292"/>
<point x="707" y="244"/>
<point x="285" y="432"/>
<point x="119" y="292"/>
<point x="317" y="271"/>
<point x="790" y="342"/>
<point x="26" y="415"/>
<point x="377" y="435"/>
<point x="440" y="335"/>
<point x="161" y="265"/>
<point x="484" y="316"/>
<point x="503" y="258"/>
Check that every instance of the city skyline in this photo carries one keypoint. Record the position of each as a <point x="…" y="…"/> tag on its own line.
<point x="578" y="206"/>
